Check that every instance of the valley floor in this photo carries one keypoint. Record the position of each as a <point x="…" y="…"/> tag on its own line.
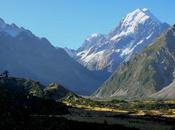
<point x="142" y="115"/>
<point x="87" y="119"/>
<point x="81" y="116"/>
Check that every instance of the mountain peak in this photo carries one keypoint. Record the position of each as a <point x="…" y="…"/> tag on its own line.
<point x="92" y="36"/>
<point x="2" y="23"/>
<point x="146" y="73"/>
<point x="141" y="14"/>
<point x="130" y="23"/>
<point x="11" y="29"/>
<point x="145" y="9"/>
<point x="142" y="10"/>
<point x="138" y="16"/>
<point x="134" y="32"/>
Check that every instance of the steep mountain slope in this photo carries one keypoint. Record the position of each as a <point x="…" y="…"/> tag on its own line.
<point x="167" y="93"/>
<point x="134" y="32"/>
<point x="71" y="52"/>
<point x="25" y="55"/>
<point x="144" y="74"/>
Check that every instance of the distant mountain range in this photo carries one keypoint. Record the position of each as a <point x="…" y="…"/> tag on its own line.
<point x="106" y="52"/>
<point x="149" y="74"/>
<point x="25" y="55"/>
<point x="139" y="53"/>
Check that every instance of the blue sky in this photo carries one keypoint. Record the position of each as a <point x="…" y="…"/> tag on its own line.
<point x="66" y="23"/>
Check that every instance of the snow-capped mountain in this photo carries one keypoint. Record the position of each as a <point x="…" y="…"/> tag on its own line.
<point x="149" y="74"/>
<point x="134" y="32"/>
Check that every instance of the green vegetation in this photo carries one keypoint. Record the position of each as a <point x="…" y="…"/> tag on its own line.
<point x="56" y="92"/>
<point x="25" y="104"/>
<point x="22" y="87"/>
<point x="119" y="104"/>
<point x="20" y="98"/>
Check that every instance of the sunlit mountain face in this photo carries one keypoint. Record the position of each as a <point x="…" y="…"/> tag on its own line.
<point x="134" y="32"/>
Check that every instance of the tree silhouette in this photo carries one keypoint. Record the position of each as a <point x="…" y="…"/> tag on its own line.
<point x="6" y="73"/>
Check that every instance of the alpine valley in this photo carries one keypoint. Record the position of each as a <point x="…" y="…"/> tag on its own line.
<point x="25" y="55"/>
<point x="123" y="80"/>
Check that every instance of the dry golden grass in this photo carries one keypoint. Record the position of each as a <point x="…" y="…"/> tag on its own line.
<point x="88" y="107"/>
<point x="169" y="113"/>
<point x="138" y="113"/>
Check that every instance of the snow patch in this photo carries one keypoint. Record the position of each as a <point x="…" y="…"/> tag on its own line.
<point x="92" y="36"/>
<point x="145" y="9"/>
<point x="148" y="37"/>
<point x="131" y="22"/>
<point x="125" y="51"/>
<point x="94" y="56"/>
